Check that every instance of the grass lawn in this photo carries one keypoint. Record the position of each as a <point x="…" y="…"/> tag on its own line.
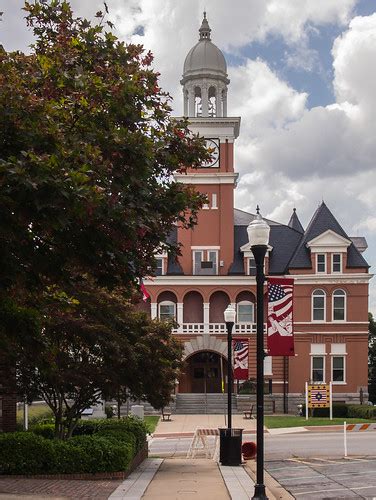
<point x="151" y="422"/>
<point x="292" y="421"/>
<point x="35" y="411"/>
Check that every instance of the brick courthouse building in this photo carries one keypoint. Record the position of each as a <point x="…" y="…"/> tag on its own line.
<point x="216" y="268"/>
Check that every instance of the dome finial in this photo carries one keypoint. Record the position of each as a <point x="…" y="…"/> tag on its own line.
<point x="205" y="29"/>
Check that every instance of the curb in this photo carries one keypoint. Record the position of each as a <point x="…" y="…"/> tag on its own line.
<point x="274" y="490"/>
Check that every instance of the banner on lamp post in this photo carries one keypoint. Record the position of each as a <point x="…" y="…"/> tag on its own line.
<point x="280" y="317"/>
<point x="240" y="349"/>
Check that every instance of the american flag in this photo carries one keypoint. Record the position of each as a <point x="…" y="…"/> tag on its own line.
<point x="241" y="348"/>
<point x="145" y="293"/>
<point x="280" y="317"/>
<point x="280" y="298"/>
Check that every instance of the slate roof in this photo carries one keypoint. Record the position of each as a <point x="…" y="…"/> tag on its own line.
<point x="294" y="222"/>
<point x="288" y="242"/>
<point x="322" y="220"/>
<point x="283" y="239"/>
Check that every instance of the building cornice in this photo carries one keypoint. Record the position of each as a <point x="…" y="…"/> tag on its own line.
<point x="302" y="279"/>
<point x="206" y="178"/>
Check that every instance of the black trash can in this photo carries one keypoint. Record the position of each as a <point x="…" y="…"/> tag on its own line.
<point x="230" y="446"/>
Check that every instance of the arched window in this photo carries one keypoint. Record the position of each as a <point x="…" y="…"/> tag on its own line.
<point x="318" y="305"/>
<point x="339" y="305"/>
<point x="245" y="312"/>
<point x="167" y="310"/>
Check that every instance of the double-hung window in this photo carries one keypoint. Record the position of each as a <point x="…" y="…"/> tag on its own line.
<point x="318" y="305"/>
<point x="318" y="368"/>
<point x="159" y="266"/>
<point x="339" y="305"/>
<point x="167" y="310"/>
<point x="338" y="355"/>
<point x="205" y="262"/>
<point x="245" y="313"/>
<point x="318" y="354"/>
<point x="251" y="266"/>
<point x="336" y="263"/>
<point x="321" y="263"/>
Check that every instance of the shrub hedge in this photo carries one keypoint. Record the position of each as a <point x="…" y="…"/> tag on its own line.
<point x="98" y="447"/>
<point x="343" y="410"/>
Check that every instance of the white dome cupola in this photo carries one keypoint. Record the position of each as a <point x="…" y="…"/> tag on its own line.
<point x="205" y="78"/>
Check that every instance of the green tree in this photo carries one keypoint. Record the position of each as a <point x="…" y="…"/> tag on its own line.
<point x="87" y="153"/>
<point x="372" y="359"/>
<point x="88" y="150"/>
<point x="93" y="345"/>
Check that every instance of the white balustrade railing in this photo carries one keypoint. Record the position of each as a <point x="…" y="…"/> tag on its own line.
<point x="216" y="328"/>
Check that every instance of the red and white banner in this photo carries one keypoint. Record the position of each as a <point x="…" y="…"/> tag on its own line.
<point x="240" y="350"/>
<point x="280" y="317"/>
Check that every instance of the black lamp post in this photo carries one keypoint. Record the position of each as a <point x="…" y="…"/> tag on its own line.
<point x="230" y="315"/>
<point x="258" y="235"/>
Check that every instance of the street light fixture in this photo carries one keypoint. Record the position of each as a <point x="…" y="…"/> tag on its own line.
<point x="258" y="235"/>
<point x="229" y="315"/>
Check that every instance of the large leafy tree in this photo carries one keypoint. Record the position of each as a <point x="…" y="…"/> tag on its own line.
<point x="87" y="153"/>
<point x="372" y="359"/>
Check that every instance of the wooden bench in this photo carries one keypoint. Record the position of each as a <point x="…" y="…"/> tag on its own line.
<point x="166" y="414"/>
<point x="248" y="414"/>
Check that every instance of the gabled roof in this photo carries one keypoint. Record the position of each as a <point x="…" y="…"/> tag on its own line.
<point x="294" y="222"/>
<point x="323" y="220"/>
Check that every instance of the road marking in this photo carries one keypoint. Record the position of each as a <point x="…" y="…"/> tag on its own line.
<point x="328" y="477"/>
<point x="362" y="487"/>
<point x="318" y="491"/>
<point x="288" y="467"/>
<point x="299" y="461"/>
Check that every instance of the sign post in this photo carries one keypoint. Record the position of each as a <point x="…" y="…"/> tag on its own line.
<point x="319" y="396"/>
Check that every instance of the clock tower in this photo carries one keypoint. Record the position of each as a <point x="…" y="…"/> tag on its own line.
<point x="205" y="84"/>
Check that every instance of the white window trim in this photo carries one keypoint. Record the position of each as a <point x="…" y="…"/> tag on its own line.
<point x="340" y="263"/>
<point x="344" y="306"/>
<point x="166" y="303"/>
<point x="332" y="355"/>
<point x="214" y="201"/>
<point x="317" y="263"/>
<point x="323" y="371"/>
<point x="245" y="303"/>
<point x="163" y="264"/>
<point x="312" y="296"/>
<point x="249" y="263"/>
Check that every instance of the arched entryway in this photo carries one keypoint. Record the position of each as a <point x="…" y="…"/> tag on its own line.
<point x="203" y="372"/>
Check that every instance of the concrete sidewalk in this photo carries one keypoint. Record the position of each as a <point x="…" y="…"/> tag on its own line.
<point x="177" y="478"/>
<point x="187" y="424"/>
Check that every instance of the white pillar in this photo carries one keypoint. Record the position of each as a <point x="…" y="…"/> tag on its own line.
<point x="185" y="99"/>
<point x="179" y="313"/>
<point x="206" y="313"/>
<point x="218" y="104"/>
<point x="154" y="310"/>
<point x="224" y="103"/>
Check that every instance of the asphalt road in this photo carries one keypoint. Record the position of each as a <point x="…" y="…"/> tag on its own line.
<point x="280" y="447"/>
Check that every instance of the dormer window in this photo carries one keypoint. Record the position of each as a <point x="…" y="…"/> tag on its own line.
<point x="336" y="263"/>
<point x="321" y="263"/>
<point x="251" y="266"/>
<point x="159" y="267"/>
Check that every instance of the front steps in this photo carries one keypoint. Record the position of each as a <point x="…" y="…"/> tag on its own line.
<point x="203" y="404"/>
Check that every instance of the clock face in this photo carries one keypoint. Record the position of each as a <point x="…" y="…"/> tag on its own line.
<point x="212" y="145"/>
